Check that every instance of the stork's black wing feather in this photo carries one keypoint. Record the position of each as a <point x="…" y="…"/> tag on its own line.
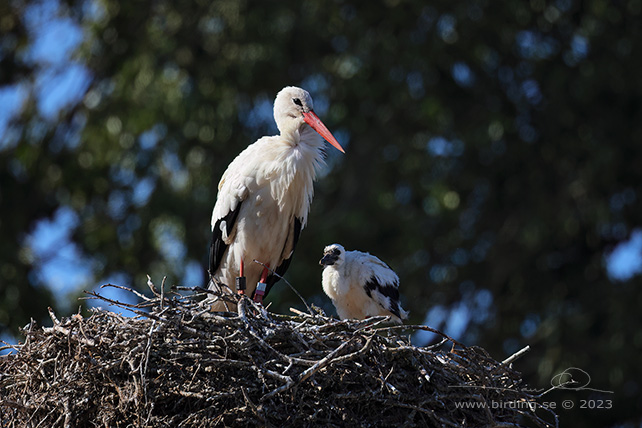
<point x="283" y="267"/>
<point x="218" y="246"/>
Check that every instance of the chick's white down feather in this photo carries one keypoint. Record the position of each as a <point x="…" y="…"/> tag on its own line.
<point x="360" y="285"/>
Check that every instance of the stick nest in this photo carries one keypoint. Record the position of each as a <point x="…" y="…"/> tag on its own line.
<point x="176" y="364"/>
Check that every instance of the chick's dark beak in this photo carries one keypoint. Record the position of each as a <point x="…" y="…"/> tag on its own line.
<point x="328" y="260"/>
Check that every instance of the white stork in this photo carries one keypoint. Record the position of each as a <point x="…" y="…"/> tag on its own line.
<point x="264" y="197"/>
<point x="360" y="285"/>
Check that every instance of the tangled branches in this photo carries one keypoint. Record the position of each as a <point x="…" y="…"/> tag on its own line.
<point x="176" y="364"/>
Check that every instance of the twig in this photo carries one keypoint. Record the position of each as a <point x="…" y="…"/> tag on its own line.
<point x="162" y="293"/>
<point x="288" y="283"/>
<point x="299" y="313"/>
<point x="516" y="355"/>
<point x="9" y="346"/>
<point x="309" y="372"/>
<point x="131" y="290"/>
<point x="59" y="328"/>
<point x="423" y="328"/>
<point x="53" y="317"/>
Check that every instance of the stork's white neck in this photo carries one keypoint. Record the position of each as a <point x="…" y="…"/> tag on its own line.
<point x="301" y="134"/>
<point x="297" y="156"/>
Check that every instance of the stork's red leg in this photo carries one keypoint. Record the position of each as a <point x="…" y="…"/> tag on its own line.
<point x="240" y="280"/>
<point x="262" y="284"/>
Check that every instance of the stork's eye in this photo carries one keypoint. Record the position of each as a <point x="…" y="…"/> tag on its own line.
<point x="297" y="102"/>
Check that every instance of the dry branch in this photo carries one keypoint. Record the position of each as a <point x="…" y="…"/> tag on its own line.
<point x="177" y="364"/>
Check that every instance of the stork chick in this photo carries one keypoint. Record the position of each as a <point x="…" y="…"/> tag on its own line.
<point x="264" y="198"/>
<point x="360" y="285"/>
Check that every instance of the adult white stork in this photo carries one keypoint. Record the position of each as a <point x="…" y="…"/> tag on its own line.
<point x="360" y="285"/>
<point x="264" y="197"/>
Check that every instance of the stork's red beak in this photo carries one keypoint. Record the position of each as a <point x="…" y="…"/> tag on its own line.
<point x="313" y="120"/>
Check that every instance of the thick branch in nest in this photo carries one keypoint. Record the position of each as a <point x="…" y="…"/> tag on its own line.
<point x="177" y="364"/>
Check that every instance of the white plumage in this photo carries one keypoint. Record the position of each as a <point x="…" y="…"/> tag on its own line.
<point x="264" y="195"/>
<point x="360" y="285"/>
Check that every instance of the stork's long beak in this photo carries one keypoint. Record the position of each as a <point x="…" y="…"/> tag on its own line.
<point x="313" y="120"/>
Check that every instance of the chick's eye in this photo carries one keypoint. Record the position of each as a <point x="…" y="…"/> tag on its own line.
<point x="297" y="102"/>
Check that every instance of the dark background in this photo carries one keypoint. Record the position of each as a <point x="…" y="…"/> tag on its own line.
<point x="492" y="159"/>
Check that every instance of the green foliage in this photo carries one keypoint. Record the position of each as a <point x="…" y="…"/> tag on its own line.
<point x="486" y="142"/>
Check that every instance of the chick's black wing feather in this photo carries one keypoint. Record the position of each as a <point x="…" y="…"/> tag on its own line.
<point x="389" y="290"/>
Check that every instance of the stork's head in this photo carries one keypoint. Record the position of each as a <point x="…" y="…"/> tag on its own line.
<point x="293" y="107"/>
<point x="333" y="255"/>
